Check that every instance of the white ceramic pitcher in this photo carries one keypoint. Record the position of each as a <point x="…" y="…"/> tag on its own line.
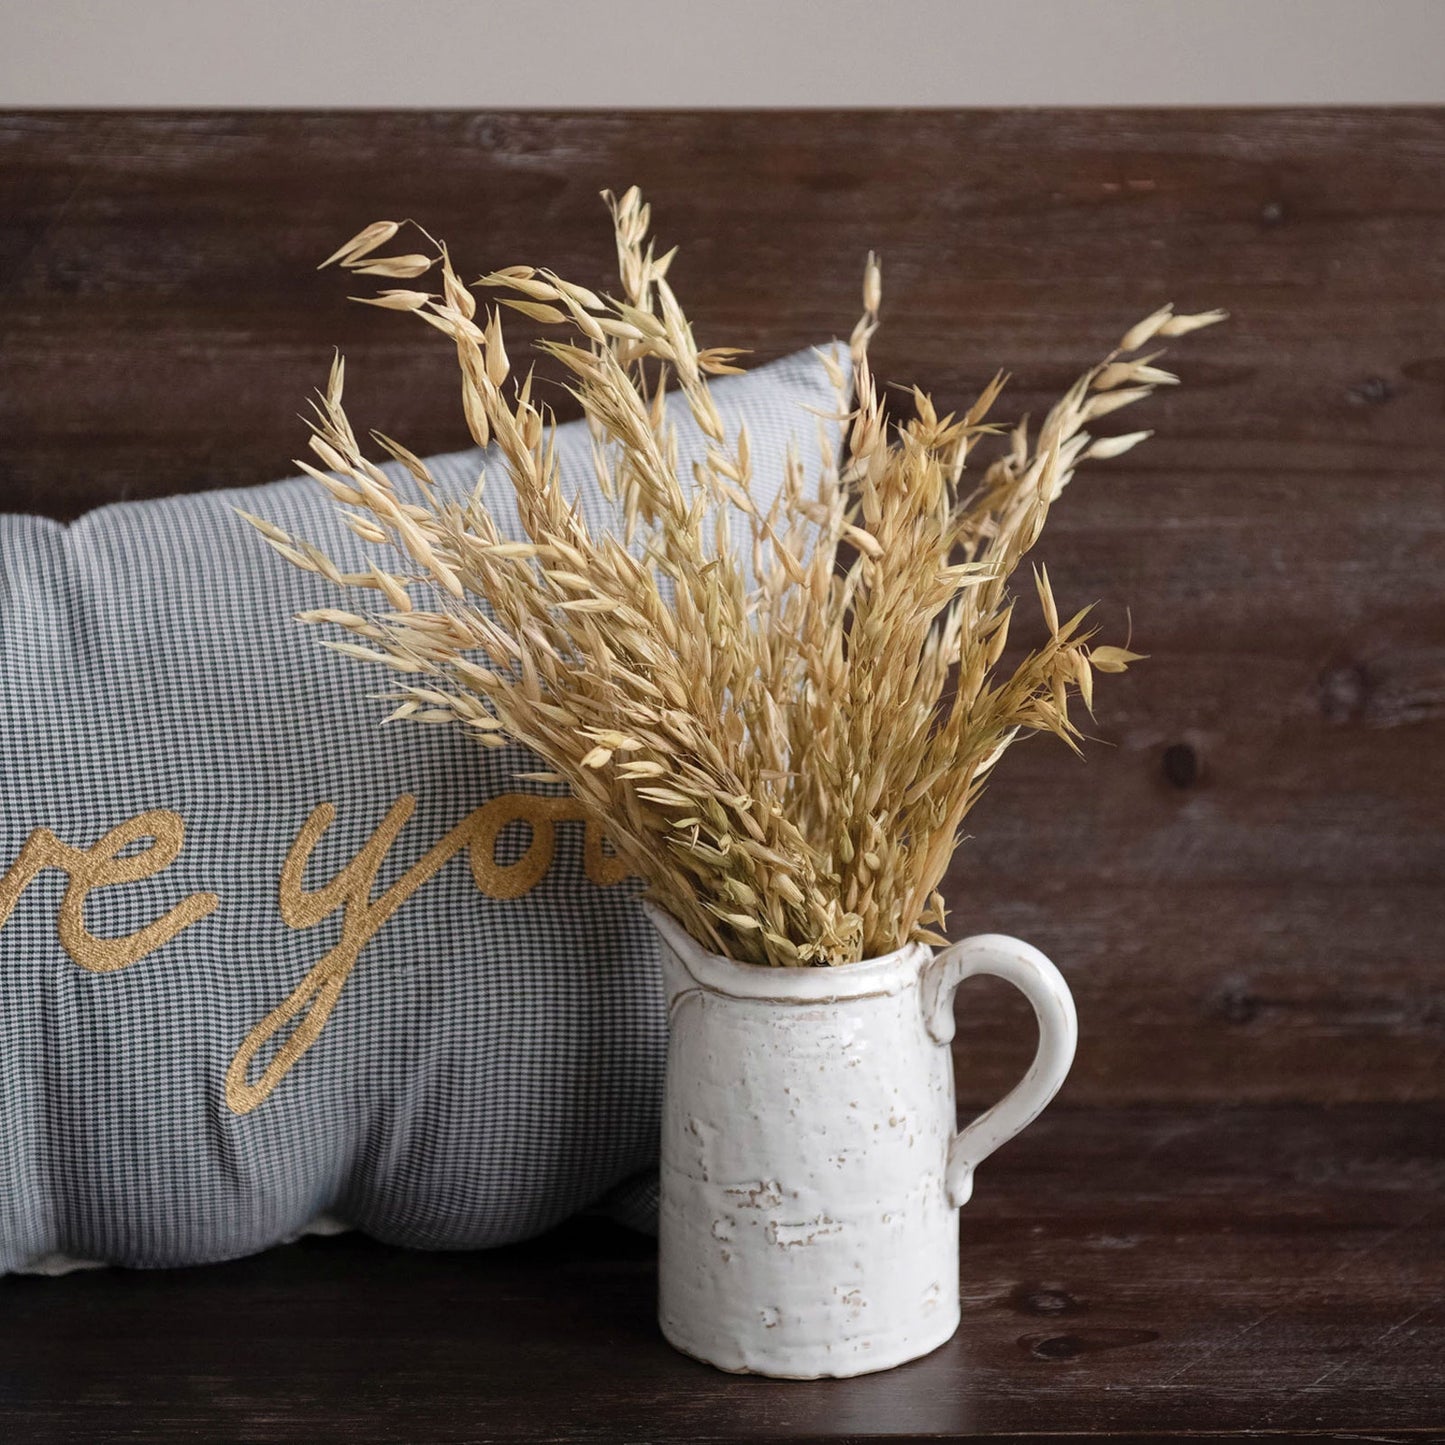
<point x="811" y="1169"/>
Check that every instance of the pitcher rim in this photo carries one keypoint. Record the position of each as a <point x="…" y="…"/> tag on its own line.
<point x="886" y="973"/>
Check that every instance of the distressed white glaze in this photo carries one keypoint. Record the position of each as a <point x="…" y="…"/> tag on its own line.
<point x="811" y="1175"/>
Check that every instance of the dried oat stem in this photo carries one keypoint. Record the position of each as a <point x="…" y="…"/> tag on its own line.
<point x="783" y="745"/>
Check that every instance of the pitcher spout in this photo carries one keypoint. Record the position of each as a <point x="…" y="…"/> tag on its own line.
<point x="677" y="980"/>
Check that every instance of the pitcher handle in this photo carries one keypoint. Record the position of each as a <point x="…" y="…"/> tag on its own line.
<point x="1043" y="985"/>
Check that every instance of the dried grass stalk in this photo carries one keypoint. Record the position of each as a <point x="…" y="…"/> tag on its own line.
<point x="785" y="752"/>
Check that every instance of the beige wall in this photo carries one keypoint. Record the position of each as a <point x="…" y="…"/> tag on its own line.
<point x="720" y="52"/>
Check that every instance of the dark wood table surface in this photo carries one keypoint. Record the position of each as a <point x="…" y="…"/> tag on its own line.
<point x="1186" y="1271"/>
<point x="1231" y="1221"/>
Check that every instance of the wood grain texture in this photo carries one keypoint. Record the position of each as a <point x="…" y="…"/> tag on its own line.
<point x="1243" y="884"/>
<point x="1191" y="1272"/>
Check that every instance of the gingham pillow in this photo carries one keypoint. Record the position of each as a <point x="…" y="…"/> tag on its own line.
<point x="204" y="1048"/>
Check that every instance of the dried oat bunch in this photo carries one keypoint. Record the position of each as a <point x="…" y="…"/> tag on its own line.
<point x="784" y="746"/>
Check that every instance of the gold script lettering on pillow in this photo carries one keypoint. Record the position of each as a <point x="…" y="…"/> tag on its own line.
<point x="362" y="915"/>
<point x="350" y="891"/>
<point x="98" y="867"/>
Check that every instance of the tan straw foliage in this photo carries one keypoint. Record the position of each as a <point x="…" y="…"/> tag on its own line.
<point x="783" y="746"/>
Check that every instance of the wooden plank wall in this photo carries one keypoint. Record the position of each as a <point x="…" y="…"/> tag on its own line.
<point x="1243" y="882"/>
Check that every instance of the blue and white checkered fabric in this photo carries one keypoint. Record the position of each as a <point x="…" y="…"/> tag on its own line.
<point x="490" y="1066"/>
